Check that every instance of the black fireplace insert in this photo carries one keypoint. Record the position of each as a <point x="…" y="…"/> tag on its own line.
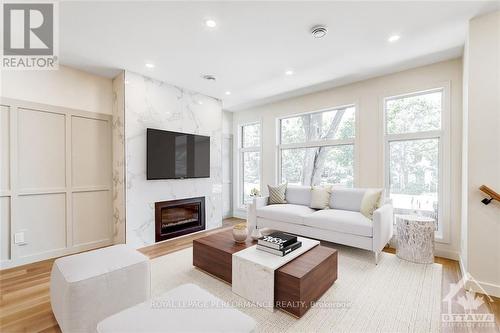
<point x="175" y="218"/>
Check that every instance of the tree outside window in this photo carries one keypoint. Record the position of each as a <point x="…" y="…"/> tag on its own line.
<point x="249" y="152"/>
<point x="318" y="148"/>
<point x="413" y="139"/>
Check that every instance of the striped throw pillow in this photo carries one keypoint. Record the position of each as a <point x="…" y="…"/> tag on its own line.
<point x="277" y="194"/>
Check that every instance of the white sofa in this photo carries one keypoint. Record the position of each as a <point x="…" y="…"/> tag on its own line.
<point x="342" y="223"/>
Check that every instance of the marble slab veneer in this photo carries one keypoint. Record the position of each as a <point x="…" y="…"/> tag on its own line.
<point x="154" y="104"/>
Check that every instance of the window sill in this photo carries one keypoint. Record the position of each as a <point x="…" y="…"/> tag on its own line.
<point x="439" y="238"/>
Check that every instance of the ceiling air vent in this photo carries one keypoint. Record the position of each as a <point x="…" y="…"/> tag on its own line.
<point x="319" y="31"/>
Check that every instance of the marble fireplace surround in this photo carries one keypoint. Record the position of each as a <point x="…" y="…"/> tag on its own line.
<point x="149" y="103"/>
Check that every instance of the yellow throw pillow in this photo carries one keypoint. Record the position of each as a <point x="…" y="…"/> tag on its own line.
<point x="370" y="202"/>
<point x="320" y="197"/>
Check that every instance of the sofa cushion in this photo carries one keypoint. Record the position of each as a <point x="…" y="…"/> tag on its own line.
<point x="285" y="212"/>
<point x="347" y="198"/>
<point x="344" y="221"/>
<point x="298" y="195"/>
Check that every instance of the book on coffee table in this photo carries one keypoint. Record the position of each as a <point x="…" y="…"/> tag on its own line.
<point x="282" y="252"/>
<point x="277" y="240"/>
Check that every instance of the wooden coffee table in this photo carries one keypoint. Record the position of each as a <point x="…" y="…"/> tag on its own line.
<point x="298" y="284"/>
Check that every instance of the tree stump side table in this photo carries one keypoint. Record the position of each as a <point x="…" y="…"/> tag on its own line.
<point x="415" y="238"/>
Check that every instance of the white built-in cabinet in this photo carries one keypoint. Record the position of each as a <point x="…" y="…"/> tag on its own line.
<point x="55" y="183"/>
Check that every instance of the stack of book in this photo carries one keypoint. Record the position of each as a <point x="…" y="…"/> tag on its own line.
<point x="278" y="243"/>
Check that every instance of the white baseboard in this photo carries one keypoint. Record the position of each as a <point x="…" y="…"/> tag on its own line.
<point x="462" y="265"/>
<point x="53" y="254"/>
<point x="453" y="255"/>
<point x="479" y="286"/>
<point x="241" y="214"/>
<point x="484" y="287"/>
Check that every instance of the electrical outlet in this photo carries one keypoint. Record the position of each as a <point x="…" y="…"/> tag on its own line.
<point x="19" y="238"/>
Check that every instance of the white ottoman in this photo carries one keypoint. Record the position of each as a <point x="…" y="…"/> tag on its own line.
<point x="86" y="288"/>
<point x="187" y="308"/>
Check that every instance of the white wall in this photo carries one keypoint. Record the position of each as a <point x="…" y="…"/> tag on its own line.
<point x="368" y="97"/>
<point x="227" y="164"/>
<point x="67" y="87"/>
<point x="57" y="215"/>
<point x="481" y="158"/>
<point x="55" y="187"/>
<point x="155" y="104"/>
<point x="227" y="122"/>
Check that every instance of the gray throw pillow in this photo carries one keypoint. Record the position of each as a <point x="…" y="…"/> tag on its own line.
<point x="277" y="194"/>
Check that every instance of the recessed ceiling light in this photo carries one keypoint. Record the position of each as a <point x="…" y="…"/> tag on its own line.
<point x="319" y="31"/>
<point x="289" y="72"/>
<point x="209" y="77"/>
<point x="210" y="23"/>
<point x="228" y="93"/>
<point x="150" y="65"/>
<point x="393" y="38"/>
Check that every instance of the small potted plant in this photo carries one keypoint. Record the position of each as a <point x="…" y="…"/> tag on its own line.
<point x="254" y="192"/>
<point x="240" y="232"/>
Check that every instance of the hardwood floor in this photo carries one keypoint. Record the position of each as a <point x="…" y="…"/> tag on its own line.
<point x="25" y="300"/>
<point x="24" y="290"/>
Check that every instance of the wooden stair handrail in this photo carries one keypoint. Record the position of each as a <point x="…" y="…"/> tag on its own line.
<point x="492" y="194"/>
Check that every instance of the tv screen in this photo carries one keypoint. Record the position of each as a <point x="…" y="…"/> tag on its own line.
<point x="173" y="155"/>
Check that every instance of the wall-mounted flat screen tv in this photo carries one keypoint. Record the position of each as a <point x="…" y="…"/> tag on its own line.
<point x="173" y="155"/>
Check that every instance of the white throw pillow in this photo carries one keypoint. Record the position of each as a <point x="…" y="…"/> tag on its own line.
<point x="320" y="197"/>
<point x="370" y="202"/>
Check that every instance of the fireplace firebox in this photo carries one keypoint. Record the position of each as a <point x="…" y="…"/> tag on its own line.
<point x="179" y="217"/>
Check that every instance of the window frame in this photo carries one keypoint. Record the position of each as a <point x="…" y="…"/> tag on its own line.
<point x="320" y="143"/>
<point x="241" y="151"/>
<point x="443" y="135"/>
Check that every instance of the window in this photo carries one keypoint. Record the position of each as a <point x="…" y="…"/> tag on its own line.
<point x="318" y="148"/>
<point x="414" y="153"/>
<point x="249" y="154"/>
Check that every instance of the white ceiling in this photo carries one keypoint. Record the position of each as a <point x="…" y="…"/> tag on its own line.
<point x="255" y="42"/>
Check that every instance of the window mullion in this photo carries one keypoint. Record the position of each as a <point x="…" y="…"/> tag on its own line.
<point x="414" y="136"/>
<point x="249" y="149"/>
<point x="314" y="144"/>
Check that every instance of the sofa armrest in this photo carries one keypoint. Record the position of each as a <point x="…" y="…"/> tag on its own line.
<point x="260" y="202"/>
<point x="382" y="226"/>
<point x="252" y="207"/>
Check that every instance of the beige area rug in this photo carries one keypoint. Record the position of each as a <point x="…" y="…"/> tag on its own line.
<point x="393" y="296"/>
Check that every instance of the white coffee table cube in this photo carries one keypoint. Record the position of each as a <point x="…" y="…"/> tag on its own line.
<point x="86" y="288"/>
<point x="253" y="272"/>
